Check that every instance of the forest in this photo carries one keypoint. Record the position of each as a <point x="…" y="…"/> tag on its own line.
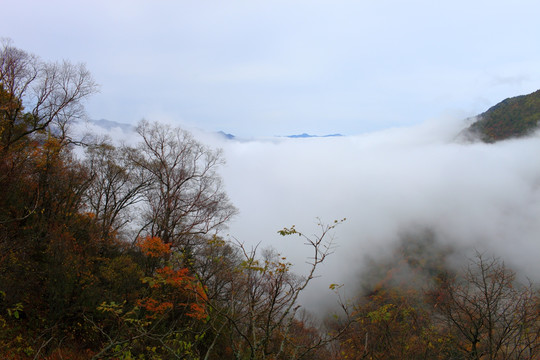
<point x="114" y="251"/>
<point x="513" y="117"/>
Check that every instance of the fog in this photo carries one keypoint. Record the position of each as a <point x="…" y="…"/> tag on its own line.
<point x="472" y="195"/>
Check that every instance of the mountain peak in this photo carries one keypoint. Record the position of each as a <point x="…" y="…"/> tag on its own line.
<point x="306" y="135"/>
<point x="513" y="117"/>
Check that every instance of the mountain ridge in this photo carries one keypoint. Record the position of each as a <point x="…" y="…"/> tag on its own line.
<point x="513" y="117"/>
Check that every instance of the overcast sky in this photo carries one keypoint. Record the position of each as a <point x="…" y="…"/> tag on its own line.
<point x="265" y="68"/>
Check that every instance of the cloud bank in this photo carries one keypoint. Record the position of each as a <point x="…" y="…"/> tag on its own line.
<point x="472" y="195"/>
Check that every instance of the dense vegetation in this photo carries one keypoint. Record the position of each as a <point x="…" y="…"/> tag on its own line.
<point x="513" y="117"/>
<point x="117" y="255"/>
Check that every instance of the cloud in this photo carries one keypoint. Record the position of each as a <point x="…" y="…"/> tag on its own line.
<point x="473" y="195"/>
<point x="503" y="80"/>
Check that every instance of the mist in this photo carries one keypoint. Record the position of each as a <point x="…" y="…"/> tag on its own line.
<point x="471" y="195"/>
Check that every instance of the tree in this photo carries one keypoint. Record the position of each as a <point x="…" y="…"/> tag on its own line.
<point x="37" y="94"/>
<point x="48" y="257"/>
<point x="185" y="197"/>
<point x="167" y="318"/>
<point x="262" y="305"/>
<point x="487" y="314"/>
<point x="116" y="186"/>
<point x="391" y="319"/>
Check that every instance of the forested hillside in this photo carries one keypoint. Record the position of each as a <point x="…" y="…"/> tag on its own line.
<point x="119" y="254"/>
<point x="512" y="117"/>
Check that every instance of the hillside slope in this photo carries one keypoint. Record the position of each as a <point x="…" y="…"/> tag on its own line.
<point x="513" y="117"/>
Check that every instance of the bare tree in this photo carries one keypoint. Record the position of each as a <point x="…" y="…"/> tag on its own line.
<point x="488" y="314"/>
<point x="261" y="311"/>
<point x="185" y="197"/>
<point x="39" y="94"/>
<point x="116" y="185"/>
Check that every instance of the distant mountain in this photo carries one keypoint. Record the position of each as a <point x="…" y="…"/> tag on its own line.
<point x="304" y="135"/>
<point x="513" y="117"/>
<point x="299" y="136"/>
<point x="226" y="135"/>
<point x="108" y="124"/>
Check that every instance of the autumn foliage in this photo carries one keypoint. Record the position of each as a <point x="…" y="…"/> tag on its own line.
<point x="117" y="254"/>
<point x="169" y="283"/>
<point x="152" y="246"/>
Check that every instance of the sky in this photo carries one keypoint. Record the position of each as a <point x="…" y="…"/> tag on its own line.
<point x="272" y="68"/>
<point x="398" y="78"/>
